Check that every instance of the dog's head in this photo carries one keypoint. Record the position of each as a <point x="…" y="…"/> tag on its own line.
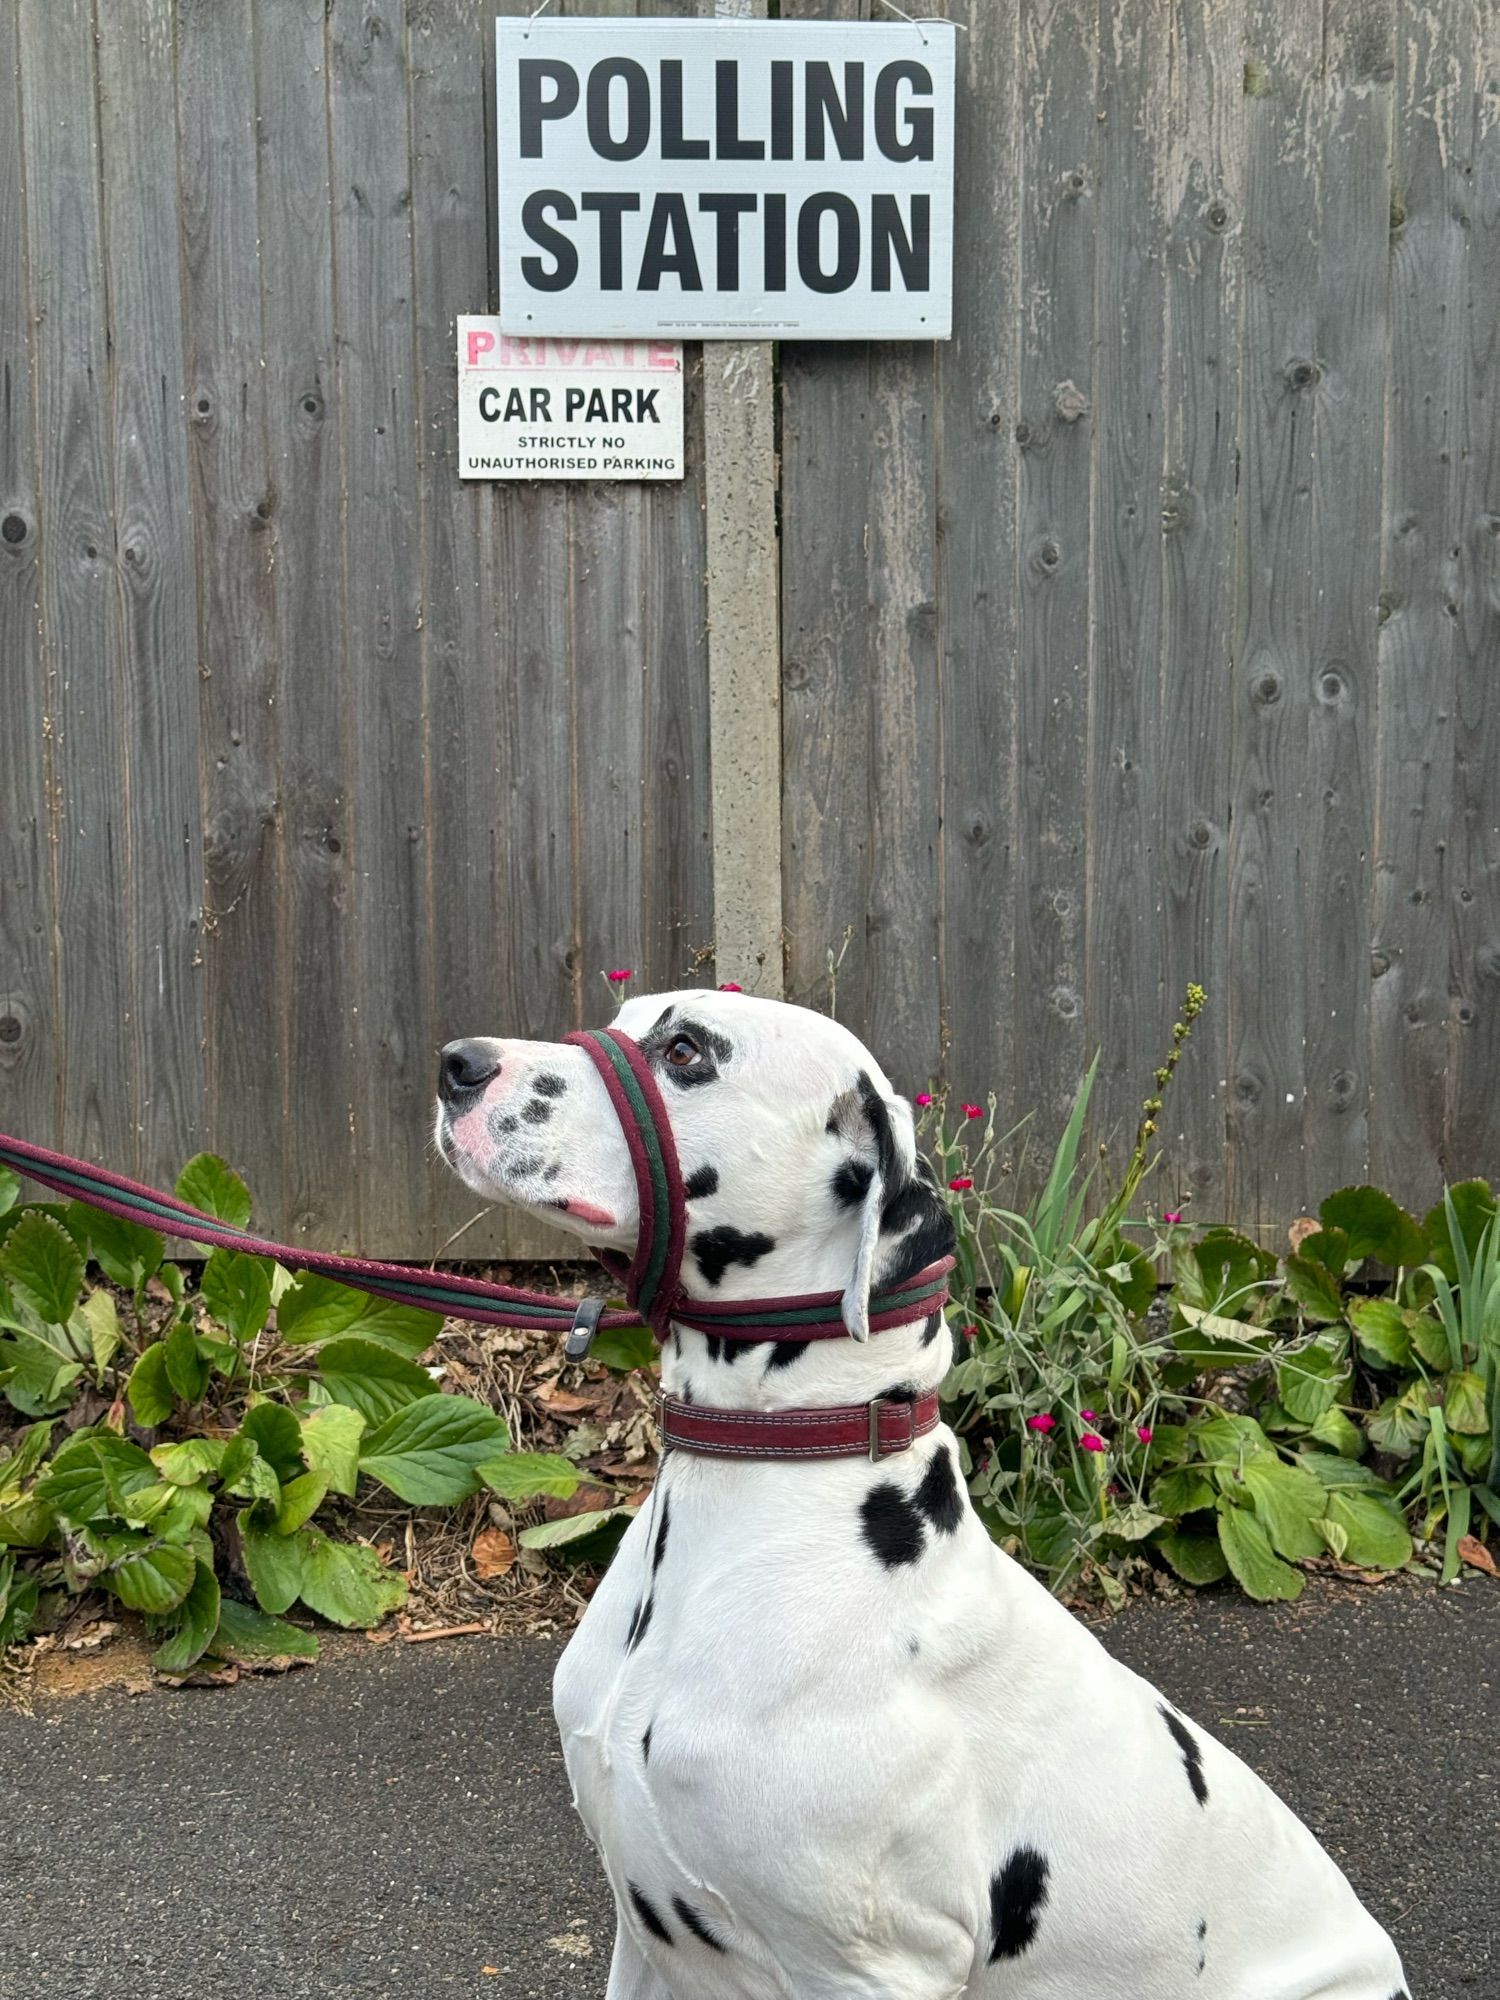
<point x="799" y="1160"/>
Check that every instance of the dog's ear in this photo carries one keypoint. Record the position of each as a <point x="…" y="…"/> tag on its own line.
<point x="881" y="1131"/>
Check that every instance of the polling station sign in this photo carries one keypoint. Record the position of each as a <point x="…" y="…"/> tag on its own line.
<point x="725" y="179"/>
<point x="580" y="408"/>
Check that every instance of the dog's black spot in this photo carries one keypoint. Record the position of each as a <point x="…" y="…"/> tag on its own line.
<point x="548" y="1084"/>
<point x="646" y="1742"/>
<point x="919" y="1216"/>
<point x="1399" y="1994"/>
<point x="1018" y="1895"/>
<point x="690" y="1920"/>
<point x="1203" y="1927"/>
<point x="938" y="1495"/>
<point x="878" y="1118"/>
<point x="677" y="1343"/>
<point x="1192" y="1751"/>
<point x="899" y="1392"/>
<point x="553" y="1171"/>
<point x="701" y="1182"/>
<point x="719" y="1046"/>
<point x="500" y="1123"/>
<point x="716" y="1249"/>
<point x="536" y="1111"/>
<point x="661" y="1534"/>
<point x="647" y="1914"/>
<point x="532" y="1164"/>
<point x="722" y="1348"/>
<point x="913" y="1646"/>
<point x="785" y="1352"/>
<point x="640" y="1619"/>
<point x="930" y="1328"/>
<point x="851" y="1182"/>
<point x="892" y="1526"/>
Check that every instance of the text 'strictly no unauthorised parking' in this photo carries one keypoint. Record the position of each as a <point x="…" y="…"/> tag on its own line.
<point x="530" y="408"/>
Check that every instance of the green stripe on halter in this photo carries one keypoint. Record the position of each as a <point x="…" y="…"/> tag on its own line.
<point x="661" y="1206"/>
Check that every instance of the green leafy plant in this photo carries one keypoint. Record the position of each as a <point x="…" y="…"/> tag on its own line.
<point x="211" y="1433"/>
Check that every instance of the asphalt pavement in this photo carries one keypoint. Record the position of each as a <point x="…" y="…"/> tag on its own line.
<point x="396" y="1821"/>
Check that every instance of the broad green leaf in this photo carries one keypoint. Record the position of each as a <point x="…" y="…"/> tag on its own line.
<point x="572" y="1528"/>
<point x="624" y="1348"/>
<point x="248" y="1635"/>
<point x="126" y="1252"/>
<point x="426" y="1453"/>
<point x="25" y="1522"/>
<point x="1383" y="1331"/>
<point x="1377" y="1534"/>
<point x="197" y="1622"/>
<point x="330" y="1444"/>
<point x="1464" y="1404"/>
<point x="1400" y="1424"/>
<point x="92" y="1475"/>
<point x="1197" y="1559"/>
<point x="316" y="1309"/>
<point x="300" y="1500"/>
<point x="526" y="1475"/>
<point x="10" y="1189"/>
<point x="275" y="1564"/>
<point x="1181" y="1492"/>
<point x="276" y="1435"/>
<point x="370" y="1378"/>
<point x="1375" y="1225"/>
<point x="142" y="1506"/>
<point x="149" y="1389"/>
<point x="186" y="1512"/>
<point x="1429" y="1339"/>
<point x="1287" y="1502"/>
<point x="36" y="1379"/>
<point x="1213" y="1341"/>
<point x="1335" y="1429"/>
<point x="236" y="1288"/>
<point x="100" y="1327"/>
<point x="186" y="1463"/>
<point x="18" y="1595"/>
<point x="44" y="1266"/>
<point x="26" y="1454"/>
<point x="1259" y="1571"/>
<point x="187" y="1371"/>
<point x="1136" y="1290"/>
<point x="206" y="1182"/>
<point x="347" y="1582"/>
<point x="1314" y="1287"/>
<point x="1133" y="1522"/>
<point x="1223" y="1272"/>
<point x="247" y="1476"/>
<point x="1335" y="1536"/>
<point x="1333" y="1472"/>
<point x="1473" y="1209"/>
<point x="152" y="1576"/>
<point x="1224" y="1439"/>
<point x="1310" y="1382"/>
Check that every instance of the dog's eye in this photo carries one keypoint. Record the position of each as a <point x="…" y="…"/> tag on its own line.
<point x="682" y="1052"/>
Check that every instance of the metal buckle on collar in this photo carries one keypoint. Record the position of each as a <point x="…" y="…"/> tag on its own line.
<point x="878" y="1448"/>
<point x="585" y="1325"/>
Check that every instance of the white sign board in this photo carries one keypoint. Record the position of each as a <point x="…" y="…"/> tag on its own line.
<point x="726" y="179"/>
<point x="532" y="408"/>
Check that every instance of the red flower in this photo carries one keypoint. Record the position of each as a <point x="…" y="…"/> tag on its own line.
<point x="1089" y="1417"/>
<point x="730" y="986"/>
<point x="1043" y="1423"/>
<point x="924" y="1098"/>
<point x="1091" y="1441"/>
<point x="1172" y="1215"/>
<point x="962" y="1183"/>
<point x="1144" y="1433"/>
<point x="973" y="1111"/>
<point x="969" y="1332"/>
<point x="620" y="974"/>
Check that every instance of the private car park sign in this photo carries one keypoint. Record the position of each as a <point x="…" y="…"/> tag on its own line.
<point x="725" y="179"/>
<point x="531" y="408"/>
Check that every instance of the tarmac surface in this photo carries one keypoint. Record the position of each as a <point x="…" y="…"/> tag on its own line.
<point x="396" y="1822"/>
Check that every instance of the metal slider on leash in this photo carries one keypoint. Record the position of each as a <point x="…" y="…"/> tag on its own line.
<point x="585" y="1325"/>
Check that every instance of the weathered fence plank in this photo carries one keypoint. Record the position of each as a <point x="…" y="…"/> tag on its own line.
<point x="28" y="1058"/>
<point x="79" y="609"/>
<point x="234" y="508"/>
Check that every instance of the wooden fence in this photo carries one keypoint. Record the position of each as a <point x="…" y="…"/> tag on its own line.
<point x="1145" y="632"/>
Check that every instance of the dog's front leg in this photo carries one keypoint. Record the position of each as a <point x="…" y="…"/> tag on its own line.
<point x="630" y="1977"/>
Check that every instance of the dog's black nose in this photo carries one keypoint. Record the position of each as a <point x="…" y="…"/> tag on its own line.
<point x="464" y="1067"/>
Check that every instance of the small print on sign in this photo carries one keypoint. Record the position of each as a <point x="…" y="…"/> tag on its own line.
<point x="530" y="408"/>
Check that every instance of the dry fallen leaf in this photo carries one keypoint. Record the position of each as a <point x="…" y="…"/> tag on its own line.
<point x="586" y="1500"/>
<point x="1301" y="1229"/>
<point x="494" y="1554"/>
<point x="562" y="1402"/>
<point x="1473" y="1552"/>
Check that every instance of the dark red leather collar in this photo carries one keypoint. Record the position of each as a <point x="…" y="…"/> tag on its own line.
<point x="843" y="1430"/>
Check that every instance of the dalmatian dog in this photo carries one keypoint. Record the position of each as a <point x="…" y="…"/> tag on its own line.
<point x="830" y="1742"/>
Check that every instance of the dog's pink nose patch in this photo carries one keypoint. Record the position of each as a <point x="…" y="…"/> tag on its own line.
<point x="586" y="1211"/>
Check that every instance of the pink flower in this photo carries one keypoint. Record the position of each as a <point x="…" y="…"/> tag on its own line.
<point x="1172" y="1215"/>
<point x="620" y="974"/>
<point x="1144" y="1433"/>
<point x="1043" y="1423"/>
<point x="924" y="1098"/>
<point x="730" y="986"/>
<point x="969" y="1332"/>
<point x="1088" y="1416"/>
<point x="973" y="1111"/>
<point x="1091" y="1441"/>
<point x="962" y="1183"/>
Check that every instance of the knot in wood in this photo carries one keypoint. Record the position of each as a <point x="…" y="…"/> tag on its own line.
<point x="10" y="1028"/>
<point x="1069" y="402"/>
<point x="14" y="529"/>
<point x="1302" y="373"/>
